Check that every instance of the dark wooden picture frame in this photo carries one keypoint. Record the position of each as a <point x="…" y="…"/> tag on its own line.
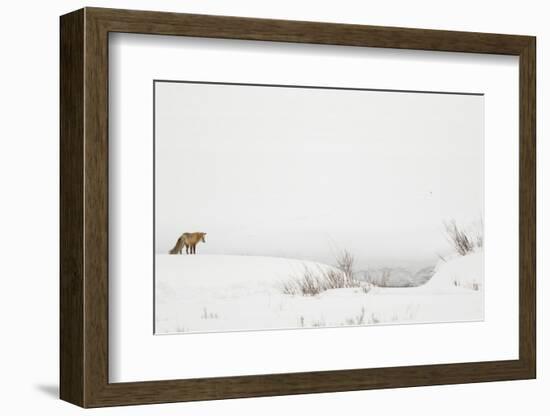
<point x="84" y="207"/>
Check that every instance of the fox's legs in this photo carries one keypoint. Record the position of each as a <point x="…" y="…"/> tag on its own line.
<point x="190" y="249"/>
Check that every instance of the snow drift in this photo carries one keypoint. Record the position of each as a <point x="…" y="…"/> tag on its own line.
<point x="460" y="272"/>
<point x="213" y="293"/>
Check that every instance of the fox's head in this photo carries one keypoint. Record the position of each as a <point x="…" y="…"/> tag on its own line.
<point x="203" y="239"/>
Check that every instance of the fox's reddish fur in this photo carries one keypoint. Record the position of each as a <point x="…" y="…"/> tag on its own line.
<point x="189" y="241"/>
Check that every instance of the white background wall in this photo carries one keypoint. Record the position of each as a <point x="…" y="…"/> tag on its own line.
<point x="29" y="210"/>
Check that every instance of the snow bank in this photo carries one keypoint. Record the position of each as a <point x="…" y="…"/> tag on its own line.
<point x="460" y="272"/>
<point x="212" y="293"/>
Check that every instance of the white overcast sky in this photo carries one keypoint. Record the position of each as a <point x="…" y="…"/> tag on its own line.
<point x="302" y="173"/>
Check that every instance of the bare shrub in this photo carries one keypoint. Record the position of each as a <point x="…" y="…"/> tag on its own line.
<point x="290" y="288"/>
<point x="311" y="283"/>
<point x="463" y="241"/>
<point x="467" y="285"/>
<point x="343" y="277"/>
<point x="366" y="288"/>
<point x="479" y="240"/>
<point x="308" y="284"/>
<point x="318" y="323"/>
<point x="441" y="258"/>
<point x="360" y="319"/>
<point x="363" y="319"/>
<point x="374" y="319"/>
<point x="208" y="315"/>
<point x="333" y="279"/>
<point x="345" y="262"/>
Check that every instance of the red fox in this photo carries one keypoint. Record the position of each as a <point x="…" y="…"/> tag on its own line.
<point x="190" y="241"/>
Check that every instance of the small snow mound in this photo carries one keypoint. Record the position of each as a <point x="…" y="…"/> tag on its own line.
<point x="462" y="272"/>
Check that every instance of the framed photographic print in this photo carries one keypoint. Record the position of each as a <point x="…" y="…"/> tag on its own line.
<point x="255" y="207"/>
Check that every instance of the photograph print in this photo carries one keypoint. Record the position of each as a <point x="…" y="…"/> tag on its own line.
<point x="290" y="207"/>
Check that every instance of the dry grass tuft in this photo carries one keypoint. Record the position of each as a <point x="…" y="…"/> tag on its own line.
<point x="463" y="241"/>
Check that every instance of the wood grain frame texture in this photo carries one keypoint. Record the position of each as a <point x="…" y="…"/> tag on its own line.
<point x="84" y="207"/>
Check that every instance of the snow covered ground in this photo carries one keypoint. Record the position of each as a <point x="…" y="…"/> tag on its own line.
<point x="211" y="293"/>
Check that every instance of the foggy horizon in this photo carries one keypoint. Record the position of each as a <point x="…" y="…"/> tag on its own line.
<point x="304" y="173"/>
